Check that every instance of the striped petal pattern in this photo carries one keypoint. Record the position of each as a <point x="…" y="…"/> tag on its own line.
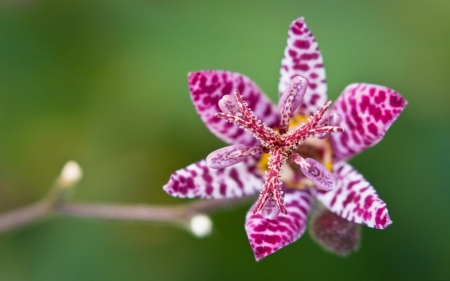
<point x="367" y="112"/>
<point x="303" y="58"/>
<point x="355" y="199"/>
<point x="207" y="89"/>
<point x="199" y="181"/>
<point x="267" y="236"/>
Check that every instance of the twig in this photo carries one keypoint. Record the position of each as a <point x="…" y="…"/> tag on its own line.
<point x="54" y="203"/>
<point x="23" y="216"/>
<point x="147" y="212"/>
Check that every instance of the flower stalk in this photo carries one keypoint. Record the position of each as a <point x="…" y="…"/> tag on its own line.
<point x="55" y="202"/>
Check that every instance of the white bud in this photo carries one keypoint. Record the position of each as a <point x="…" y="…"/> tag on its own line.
<point x="71" y="173"/>
<point x="201" y="226"/>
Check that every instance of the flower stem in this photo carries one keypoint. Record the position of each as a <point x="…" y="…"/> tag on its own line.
<point x="53" y="203"/>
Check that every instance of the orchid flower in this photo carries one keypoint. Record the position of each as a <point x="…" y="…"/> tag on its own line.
<point x="290" y="153"/>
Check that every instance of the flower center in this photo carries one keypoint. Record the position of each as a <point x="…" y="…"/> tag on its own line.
<point x="281" y="144"/>
<point x="317" y="149"/>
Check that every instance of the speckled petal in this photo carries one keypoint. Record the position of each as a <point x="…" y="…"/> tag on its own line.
<point x="354" y="198"/>
<point x="207" y="89"/>
<point x="367" y="112"/>
<point x="199" y="181"/>
<point x="302" y="57"/>
<point x="267" y="236"/>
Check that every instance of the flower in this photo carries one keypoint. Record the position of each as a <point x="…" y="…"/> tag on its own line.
<point x="270" y="144"/>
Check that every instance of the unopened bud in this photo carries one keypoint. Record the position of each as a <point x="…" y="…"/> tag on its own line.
<point x="334" y="233"/>
<point x="201" y="226"/>
<point x="71" y="173"/>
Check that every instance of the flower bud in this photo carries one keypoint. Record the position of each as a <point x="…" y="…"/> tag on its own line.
<point x="334" y="233"/>
<point x="71" y="173"/>
<point x="201" y="226"/>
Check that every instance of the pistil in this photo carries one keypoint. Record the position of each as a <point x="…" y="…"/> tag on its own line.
<point x="280" y="145"/>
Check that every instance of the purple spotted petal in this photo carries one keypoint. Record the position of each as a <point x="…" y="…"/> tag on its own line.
<point x="302" y="57"/>
<point x="334" y="233"/>
<point x="231" y="155"/>
<point x="367" y="112"/>
<point x="199" y="181"/>
<point x="207" y="89"/>
<point x="355" y="199"/>
<point x="267" y="236"/>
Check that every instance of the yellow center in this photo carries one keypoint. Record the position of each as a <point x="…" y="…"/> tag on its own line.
<point x="319" y="150"/>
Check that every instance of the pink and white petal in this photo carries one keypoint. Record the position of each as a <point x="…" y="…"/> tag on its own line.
<point x="302" y="57"/>
<point x="354" y="198"/>
<point x="207" y="89"/>
<point x="367" y="112"/>
<point x="199" y="181"/>
<point x="267" y="236"/>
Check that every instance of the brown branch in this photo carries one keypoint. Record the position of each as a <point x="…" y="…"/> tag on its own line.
<point x="153" y="213"/>
<point x="22" y="216"/>
<point x="178" y="215"/>
<point x="54" y="203"/>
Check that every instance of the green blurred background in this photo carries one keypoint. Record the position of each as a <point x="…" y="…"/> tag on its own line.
<point x="104" y="83"/>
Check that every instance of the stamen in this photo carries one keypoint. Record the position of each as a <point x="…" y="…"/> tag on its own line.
<point x="313" y="170"/>
<point x="231" y="155"/>
<point x="280" y="144"/>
